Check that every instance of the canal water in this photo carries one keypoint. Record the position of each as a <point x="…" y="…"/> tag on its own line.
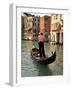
<point x="30" y="68"/>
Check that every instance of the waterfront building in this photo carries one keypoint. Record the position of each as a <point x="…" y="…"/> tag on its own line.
<point x="42" y="24"/>
<point x="45" y="26"/>
<point x="27" y="27"/>
<point x="36" y="26"/>
<point x="47" y="20"/>
<point x="57" y="28"/>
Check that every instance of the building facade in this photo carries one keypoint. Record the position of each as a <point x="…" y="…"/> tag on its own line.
<point x="36" y="26"/>
<point x="47" y="20"/>
<point x="51" y="25"/>
<point x="27" y="27"/>
<point x="45" y="26"/>
<point x="57" y="28"/>
<point x="42" y="24"/>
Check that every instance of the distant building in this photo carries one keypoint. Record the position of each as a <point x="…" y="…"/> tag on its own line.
<point x="47" y="20"/>
<point x="47" y="23"/>
<point x="42" y="24"/>
<point x="51" y="25"/>
<point x="27" y="27"/>
<point x="45" y="26"/>
<point x="56" y="28"/>
<point x="36" y="26"/>
<point x="36" y="21"/>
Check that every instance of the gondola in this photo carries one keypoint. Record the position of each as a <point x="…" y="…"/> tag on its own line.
<point x="44" y="60"/>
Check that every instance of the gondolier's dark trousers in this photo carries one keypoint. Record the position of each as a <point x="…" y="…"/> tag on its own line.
<point x="41" y="49"/>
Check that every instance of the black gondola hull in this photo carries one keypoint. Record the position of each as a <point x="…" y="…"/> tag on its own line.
<point x="44" y="61"/>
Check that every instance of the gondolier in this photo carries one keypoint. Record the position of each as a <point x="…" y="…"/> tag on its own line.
<point x="41" y="39"/>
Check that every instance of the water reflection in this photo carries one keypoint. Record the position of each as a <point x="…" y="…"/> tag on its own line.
<point x="30" y="67"/>
<point x="42" y="70"/>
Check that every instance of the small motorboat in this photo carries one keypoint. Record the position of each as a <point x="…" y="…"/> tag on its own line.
<point x="43" y="60"/>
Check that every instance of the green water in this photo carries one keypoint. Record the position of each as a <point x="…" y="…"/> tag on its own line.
<point x="31" y="68"/>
